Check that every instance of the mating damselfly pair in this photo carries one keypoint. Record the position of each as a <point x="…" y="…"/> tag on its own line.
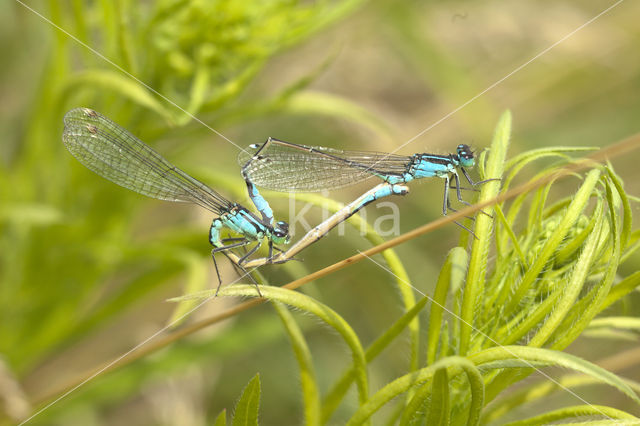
<point x="117" y="155"/>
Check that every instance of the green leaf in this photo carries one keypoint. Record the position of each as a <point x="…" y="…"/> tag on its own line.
<point x="570" y="216"/>
<point x="30" y="214"/>
<point x="308" y="381"/>
<point x="625" y="323"/>
<point x="517" y="163"/>
<point x="114" y="81"/>
<point x="535" y="392"/>
<point x="221" y="420"/>
<point x="337" y="392"/>
<point x="591" y="304"/>
<point x="626" y="206"/>
<point x="197" y="279"/>
<point x="455" y="365"/>
<point x="439" y="408"/>
<point x="457" y="259"/>
<point x="306" y="304"/>
<point x="313" y="102"/>
<point x="575" y="412"/>
<point x="525" y="357"/>
<point x="616" y="422"/>
<point x="572" y="290"/>
<point x="474" y="286"/>
<point x="246" y="409"/>
<point x="624" y="287"/>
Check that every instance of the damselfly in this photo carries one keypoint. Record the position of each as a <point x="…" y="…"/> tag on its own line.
<point x="115" y="154"/>
<point x="285" y="166"/>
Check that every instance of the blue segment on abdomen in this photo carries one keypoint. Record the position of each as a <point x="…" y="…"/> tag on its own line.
<point x="425" y="168"/>
<point x="261" y="204"/>
<point x="385" y="191"/>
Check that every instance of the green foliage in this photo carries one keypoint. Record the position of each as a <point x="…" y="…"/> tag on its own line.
<point x="246" y="410"/>
<point x="85" y="266"/>
<point x="221" y="420"/>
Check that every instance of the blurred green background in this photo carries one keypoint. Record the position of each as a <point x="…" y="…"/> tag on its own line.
<point x="86" y="266"/>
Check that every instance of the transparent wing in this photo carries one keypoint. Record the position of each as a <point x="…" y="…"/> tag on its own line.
<point x="284" y="166"/>
<point x="115" y="154"/>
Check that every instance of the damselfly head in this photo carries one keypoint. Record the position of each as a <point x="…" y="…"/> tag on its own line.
<point x="465" y="156"/>
<point x="280" y="233"/>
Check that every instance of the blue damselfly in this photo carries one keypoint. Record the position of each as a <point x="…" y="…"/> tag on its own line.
<point x="115" y="154"/>
<point x="285" y="166"/>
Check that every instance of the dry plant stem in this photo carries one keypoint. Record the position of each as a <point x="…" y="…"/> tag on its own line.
<point x="314" y="234"/>
<point x="615" y="150"/>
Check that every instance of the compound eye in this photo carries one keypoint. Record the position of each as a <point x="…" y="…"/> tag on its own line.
<point x="464" y="151"/>
<point x="284" y="226"/>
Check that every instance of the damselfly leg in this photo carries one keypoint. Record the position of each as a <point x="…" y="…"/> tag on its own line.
<point x="223" y="250"/>
<point x="446" y="203"/>
<point x="250" y="252"/>
<point x="242" y="272"/>
<point x="473" y="184"/>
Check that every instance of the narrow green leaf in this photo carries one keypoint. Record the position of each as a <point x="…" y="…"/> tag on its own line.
<point x="457" y="258"/>
<point x="247" y="407"/>
<point x="112" y="81"/>
<point x="199" y="90"/>
<point x="31" y="214"/>
<point x="306" y="80"/>
<point x="439" y="408"/>
<point x="508" y="231"/>
<point x="308" y="381"/>
<point x="581" y="316"/>
<point x="571" y="248"/>
<point x="611" y="334"/>
<point x="572" y="290"/>
<point x="125" y="44"/>
<point x="536" y="154"/>
<point x="616" y="422"/>
<point x="328" y="14"/>
<point x="526" y="357"/>
<point x="527" y="320"/>
<point x="312" y="102"/>
<point x="455" y="366"/>
<point x="483" y="225"/>
<point x="221" y="420"/>
<point x="337" y="392"/>
<point x="537" y="391"/>
<point x="626" y="207"/>
<point x="306" y="304"/>
<point x="414" y="413"/>
<point x="621" y="289"/>
<point x="626" y="323"/>
<point x="575" y="412"/>
<point x="517" y="163"/>
<point x="571" y="215"/>
<point x="197" y="279"/>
